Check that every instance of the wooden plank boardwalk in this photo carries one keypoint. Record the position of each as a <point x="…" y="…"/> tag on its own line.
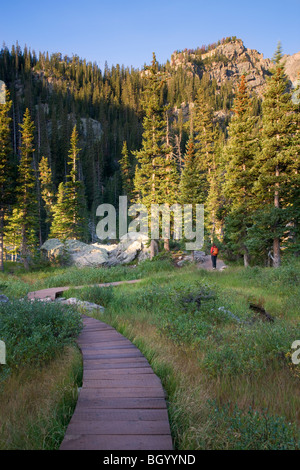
<point x="54" y="292"/>
<point x="121" y="405"/>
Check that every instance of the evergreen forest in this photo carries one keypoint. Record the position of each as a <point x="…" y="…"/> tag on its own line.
<point x="74" y="136"/>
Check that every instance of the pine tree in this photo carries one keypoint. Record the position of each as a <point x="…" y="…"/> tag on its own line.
<point x="215" y="202"/>
<point x="60" y="227"/>
<point x="190" y="190"/>
<point x="126" y="172"/>
<point x="47" y="188"/>
<point x="26" y="206"/>
<point x="204" y="139"/>
<point x="70" y="212"/>
<point x="295" y="190"/>
<point x="171" y="178"/>
<point x="154" y="173"/>
<point x="13" y="233"/>
<point x="152" y="156"/>
<point x="5" y="151"/>
<point x="278" y="162"/>
<point x="239" y="154"/>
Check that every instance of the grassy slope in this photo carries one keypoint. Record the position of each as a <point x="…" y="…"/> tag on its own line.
<point x="230" y="384"/>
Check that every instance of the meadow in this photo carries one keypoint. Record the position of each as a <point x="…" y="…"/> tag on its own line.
<point x="226" y="368"/>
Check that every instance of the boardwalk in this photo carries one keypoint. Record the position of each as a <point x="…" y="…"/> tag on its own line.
<point x="54" y="292"/>
<point x="121" y="404"/>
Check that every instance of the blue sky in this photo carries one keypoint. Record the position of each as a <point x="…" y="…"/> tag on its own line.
<point x="128" y="31"/>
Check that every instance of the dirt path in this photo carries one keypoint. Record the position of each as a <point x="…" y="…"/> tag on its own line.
<point x="208" y="265"/>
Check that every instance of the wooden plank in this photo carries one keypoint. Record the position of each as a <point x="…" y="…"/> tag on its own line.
<point x="101" y="331"/>
<point x="113" y="392"/>
<point x="100" y="326"/>
<point x="119" y="427"/>
<point x="109" y="342"/>
<point x="116" y="442"/>
<point x="128" y="403"/>
<point x="120" y="355"/>
<point x="49" y="292"/>
<point x="102" y="415"/>
<point x="95" y="328"/>
<point x="108" y="347"/>
<point x="96" y="337"/>
<point x="143" y="380"/>
<point x="94" y="373"/>
<point x="137" y="361"/>
<point x="112" y="365"/>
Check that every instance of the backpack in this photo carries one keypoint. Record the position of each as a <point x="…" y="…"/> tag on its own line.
<point x="215" y="251"/>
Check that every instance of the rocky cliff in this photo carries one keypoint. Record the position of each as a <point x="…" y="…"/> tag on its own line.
<point x="232" y="59"/>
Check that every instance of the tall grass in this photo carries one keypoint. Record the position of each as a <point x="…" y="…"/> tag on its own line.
<point x="38" y="383"/>
<point x="36" y="404"/>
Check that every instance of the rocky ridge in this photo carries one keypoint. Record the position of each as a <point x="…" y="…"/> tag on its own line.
<point x="231" y="60"/>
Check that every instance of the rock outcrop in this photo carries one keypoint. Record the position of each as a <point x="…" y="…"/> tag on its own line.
<point x="130" y="249"/>
<point x="80" y="254"/>
<point x="231" y="60"/>
<point x="82" y="304"/>
<point x="292" y="66"/>
<point x="75" y="252"/>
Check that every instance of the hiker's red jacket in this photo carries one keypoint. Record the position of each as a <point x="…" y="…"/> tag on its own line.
<point x="214" y="250"/>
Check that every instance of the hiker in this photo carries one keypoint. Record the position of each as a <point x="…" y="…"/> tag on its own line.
<point x="214" y="253"/>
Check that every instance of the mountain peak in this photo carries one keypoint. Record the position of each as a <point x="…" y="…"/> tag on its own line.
<point x="229" y="59"/>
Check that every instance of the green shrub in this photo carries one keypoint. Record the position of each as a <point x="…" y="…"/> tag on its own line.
<point x="14" y="288"/>
<point x="35" y="332"/>
<point x="95" y="294"/>
<point x="284" y="277"/>
<point x="251" y="430"/>
<point x="184" y="312"/>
